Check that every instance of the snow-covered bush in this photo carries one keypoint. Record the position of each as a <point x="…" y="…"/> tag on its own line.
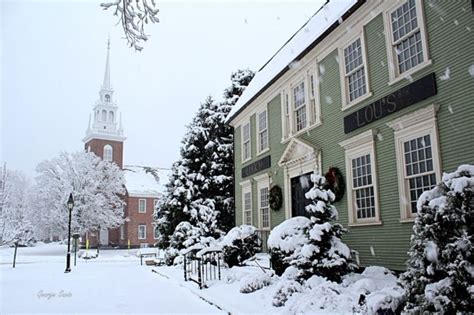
<point x="313" y="245"/>
<point x="325" y="254"/>
<point x="285" y="289"/>
<point x="241" y="243"/>
<point x="169" y="255"/>
<point x="286" y="238"/>
<point x="254" y="282"/>
<point x="440" y="268"/>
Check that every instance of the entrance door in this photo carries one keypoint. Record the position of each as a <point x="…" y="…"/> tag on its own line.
<point x="299" y="187"/>
<point x="104" y="237"/>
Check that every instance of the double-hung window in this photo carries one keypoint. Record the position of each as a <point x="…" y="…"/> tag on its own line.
<point x="264" y="208"/>
<point x="262" y="131"/>
<point x="355" y="71"/>
<point x="419" y="169"/>
<point x="363" y="187"/>
<point x="418" y="162"/>
<point x="408" y="48"/>
<point x="263" y="183"/>
<point x="299" y="107"/>
<point x="141" y="232"/>
<point x="246" y="202"/>
<point x="246" y="153"/>
<point x="142" y="205"/>
<point x="362" y="179"/>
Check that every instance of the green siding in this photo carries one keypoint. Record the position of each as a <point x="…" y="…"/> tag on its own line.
<point x="451" y="44"/>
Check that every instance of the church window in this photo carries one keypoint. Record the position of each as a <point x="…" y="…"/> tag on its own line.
<point x="108" y="153"/>
<point x="111" y="116"/>
<point x="107" y="98"/>
<point x="104" y="115"/>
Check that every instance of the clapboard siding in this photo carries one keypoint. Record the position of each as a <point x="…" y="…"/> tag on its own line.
<point x="450" y="29"/>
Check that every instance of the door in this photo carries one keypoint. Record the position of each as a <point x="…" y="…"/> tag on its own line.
<point x="104" y="237"/>
<point x="299" y="187"/>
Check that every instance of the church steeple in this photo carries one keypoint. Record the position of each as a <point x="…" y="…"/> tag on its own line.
<point x="106" y="84"/>
<point x="106" y="129"/>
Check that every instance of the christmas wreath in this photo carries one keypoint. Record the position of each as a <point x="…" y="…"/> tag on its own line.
<point x="276" y="198"/>
<point x="335" y="182"/>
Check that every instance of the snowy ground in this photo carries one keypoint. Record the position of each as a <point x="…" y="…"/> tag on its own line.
<point x="117" y="283"/>
<point x="112" y="283"/>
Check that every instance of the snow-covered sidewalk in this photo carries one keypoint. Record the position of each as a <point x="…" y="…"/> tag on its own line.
<point x="112" y="283"/>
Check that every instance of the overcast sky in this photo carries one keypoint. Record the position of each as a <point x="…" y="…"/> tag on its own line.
<point x="53" y="59"/>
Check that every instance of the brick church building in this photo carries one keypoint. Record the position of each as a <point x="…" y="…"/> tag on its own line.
<point x="105" y="137"/>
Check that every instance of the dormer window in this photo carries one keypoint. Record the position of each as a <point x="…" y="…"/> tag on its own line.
<point x="107" y="98"/>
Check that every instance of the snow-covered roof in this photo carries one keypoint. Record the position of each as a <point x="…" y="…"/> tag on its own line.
<point x="143" y="180"/>
<point x="294" y="49"/>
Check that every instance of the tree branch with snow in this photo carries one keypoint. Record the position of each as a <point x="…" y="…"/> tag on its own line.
<point x="133" y="16"/>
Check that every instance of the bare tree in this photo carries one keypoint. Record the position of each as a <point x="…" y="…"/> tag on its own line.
<point x="133" y="15"/>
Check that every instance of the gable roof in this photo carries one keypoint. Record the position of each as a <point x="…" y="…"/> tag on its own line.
<point x="142" y="181"/>
<point x="323" y="22"/>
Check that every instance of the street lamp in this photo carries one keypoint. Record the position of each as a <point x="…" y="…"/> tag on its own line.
<point x="70" y="205"/>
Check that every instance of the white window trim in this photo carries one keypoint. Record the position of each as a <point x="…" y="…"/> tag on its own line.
<point x="413" y="125"/>
<point x="354" y="147"/>
<point x="257" y="119"/>
<point x="141" y="238"/>
<point x="154" y="232"/>
<point x="317" y="100"/>
<point x="394" y="76"/>
<point x="247" y="122"/>
<point x="286" y="130"/>
<point x="298" y="81"/>
<point x="155" y="203"/>
<point x="246" y="188"/>
<point x="346" y="104"/>
<point x="263" y="181"/>
<point x="139" y="200"/>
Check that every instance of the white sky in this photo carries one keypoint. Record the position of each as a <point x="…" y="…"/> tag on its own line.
<point x="53" y="59"/>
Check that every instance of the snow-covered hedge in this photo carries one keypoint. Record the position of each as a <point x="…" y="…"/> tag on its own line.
<point x="254" y="282"/>
<point x="440" y="273"/>
<point x="241" y="243"/>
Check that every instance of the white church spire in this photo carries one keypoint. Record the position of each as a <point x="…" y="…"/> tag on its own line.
<point x="105" y="124"/>
<point x="106" y="84"/>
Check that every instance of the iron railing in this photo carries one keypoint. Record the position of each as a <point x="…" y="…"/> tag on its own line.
<point x="202" y="264"/>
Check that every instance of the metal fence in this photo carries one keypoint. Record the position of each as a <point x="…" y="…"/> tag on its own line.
<point x="202" y="265"/>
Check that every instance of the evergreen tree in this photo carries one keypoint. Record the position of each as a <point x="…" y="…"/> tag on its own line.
<point x="223" y="159"/>
<point x="325" y="254"/>
<point x="440" y="268"/>
<point x="312" y="245"/>
<point x="200" y="190"/>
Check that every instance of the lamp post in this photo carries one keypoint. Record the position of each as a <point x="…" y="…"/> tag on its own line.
<point x="70" y="205"/>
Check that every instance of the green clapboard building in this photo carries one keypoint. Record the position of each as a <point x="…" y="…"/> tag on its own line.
<point x="381" y="91"/>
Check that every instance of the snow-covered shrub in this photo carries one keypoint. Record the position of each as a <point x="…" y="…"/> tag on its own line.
<point x="184" y="236"/>
<point x="254" y="282"/>
<point x="169" y="255"/>
<point x="313" y="245"/>
<point x="285" y="239"/>
<point x="241" y="243"/>
<point x="285" y="289"/>
<point x="440" y="270"/>
<point x="325" y="254"/>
